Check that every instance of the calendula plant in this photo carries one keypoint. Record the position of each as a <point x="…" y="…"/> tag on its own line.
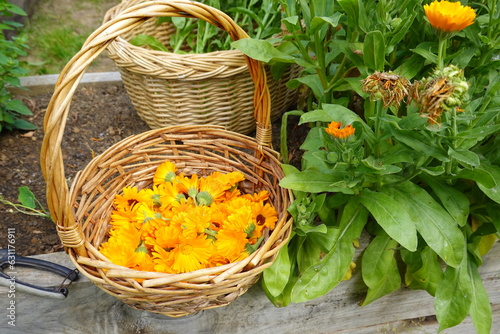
<point x="259" y="18"/>
<point x="402" y="146"/>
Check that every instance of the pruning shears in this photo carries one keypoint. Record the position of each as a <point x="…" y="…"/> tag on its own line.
<point x="10" y="260"/>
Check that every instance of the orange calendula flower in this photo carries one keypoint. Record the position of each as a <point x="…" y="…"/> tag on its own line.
<point x="231" y="244"/>
<point x="265" y="216"/>
<point x="165" y="173"/>
<point x="185" y="223"/>
<point x="334" y="129"/>
<point x="449" y="17"/>
<point x="191" y="254"/>
<point x="130" y="197"/>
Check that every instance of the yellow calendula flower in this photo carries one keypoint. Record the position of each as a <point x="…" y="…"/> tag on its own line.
<point x="240" y="220"/>
<point x="166" y="237"/>
<point x="195" y="221"/>
<point x="185" y="223"/>
<point x="334" y="129"/>
<point x="130" y="197"/>
<point x="449" y="17"/>
<point x="231" y="244"/>
<point x="166" y="172"/>
<point x="265" y="216"/>
<point x="163" y="260"/>
<point x="261" y="196"/>
<point x="191" y="254"/>
<point x="188" y="185"/>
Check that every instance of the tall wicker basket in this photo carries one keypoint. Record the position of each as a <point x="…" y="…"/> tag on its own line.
<point x="82" y="213"/>
<point x="167" y="88"/>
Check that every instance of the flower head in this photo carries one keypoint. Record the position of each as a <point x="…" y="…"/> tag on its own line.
<point x="449" y="17"/>
<point x="334" y="130"/>
<point x="165" y="173"/>
<point x="386" y="86"/>
<point x="443" y="91"/>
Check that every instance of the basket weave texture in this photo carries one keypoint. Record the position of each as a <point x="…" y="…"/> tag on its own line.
<point x="82" y="213"/>
<point x="168" y="88"/>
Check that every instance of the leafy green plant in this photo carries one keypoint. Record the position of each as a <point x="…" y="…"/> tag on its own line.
<point x="28" y="204"/>
<point x="10" y="50"/>
<point x="259" y="18"/>
<point x="403" y="144"/>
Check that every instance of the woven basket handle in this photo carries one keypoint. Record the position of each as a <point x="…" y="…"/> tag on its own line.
<point x="51" y="158"/>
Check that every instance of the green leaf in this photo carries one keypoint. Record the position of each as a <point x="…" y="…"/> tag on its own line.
<point x="312" y="81"/>
<point x="374" y="51"/>
<point x="453" y="296"/>
<point x="319" y="21"/>
<point x="492" y="192"/>
<point x="426" y="53"/>
<point x="15" y="9"/>
<point x="379" y="268"/>
<point x="26" y="197"/>
<point x="261" y="50"/>
<point x="308" y="254"/>
<point x="17" y="106"/>
<point x="152" y="42"/>
<point x="430" y="274"/>
<point x="330" y="113"/>
<point x="277" y="275"/>
<point x="420" y="143"/>
<point x="480" y="132"/>
<point x="410" y="67"/>
<point x="464" y="156"/>
<point x="401" y="31"/>
<point x="315" y="182"/>
<point x="435" y="225"/>
<point x="320" y="278"/>
<point x="325" y="240"/>
<point x="454" y="201"/>
<point x="392" y="217"/>
<point x="306" y="229"/>
<point x="480" y="308"/>
<point x="21" y="124"/>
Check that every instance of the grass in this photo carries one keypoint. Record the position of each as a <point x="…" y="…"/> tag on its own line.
<point x="57" y="31"/>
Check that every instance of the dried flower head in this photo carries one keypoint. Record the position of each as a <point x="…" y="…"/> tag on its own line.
<point x="387" y="86"/>
<point x="448" y="17"/>
<point x="334" y="130"/>
<point x="443" y="90"/>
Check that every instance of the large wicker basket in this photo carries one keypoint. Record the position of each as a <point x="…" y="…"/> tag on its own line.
<point x="167" y="88"/>
<point x="82" y="213"/>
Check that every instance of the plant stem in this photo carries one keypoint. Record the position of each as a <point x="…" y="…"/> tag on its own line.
<point x="379" y="113"/>
<point x="441" y="53"/>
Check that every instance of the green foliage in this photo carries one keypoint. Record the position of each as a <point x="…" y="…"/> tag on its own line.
<point x="422" y="166"/>
<point x="28" y="204"/>
<point x="55" y="37"/>
<point x="259" y="19"/>
<point x="10" y="50"/>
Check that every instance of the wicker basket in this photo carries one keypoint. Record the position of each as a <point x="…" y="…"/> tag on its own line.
<point x="178" y="89"/>
<point x="82" y="213"/>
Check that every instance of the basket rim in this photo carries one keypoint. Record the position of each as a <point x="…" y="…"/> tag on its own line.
<point x="273" y="241"/>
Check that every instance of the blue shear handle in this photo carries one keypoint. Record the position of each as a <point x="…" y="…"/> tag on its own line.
<point x="7" y="259"/>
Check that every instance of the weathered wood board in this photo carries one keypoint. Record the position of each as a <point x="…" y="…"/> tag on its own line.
<point x="89" y="310"/>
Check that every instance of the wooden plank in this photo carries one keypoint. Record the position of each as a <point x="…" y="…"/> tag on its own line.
<point x="87" y="309"/>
